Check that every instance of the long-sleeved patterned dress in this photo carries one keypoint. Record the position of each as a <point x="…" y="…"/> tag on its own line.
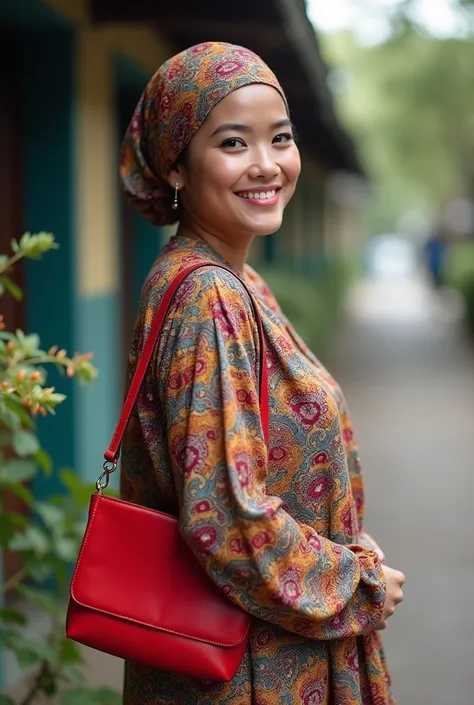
<point x="279" y="530"/>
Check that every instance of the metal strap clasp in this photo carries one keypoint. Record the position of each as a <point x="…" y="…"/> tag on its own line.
<point x="109" y="467"/>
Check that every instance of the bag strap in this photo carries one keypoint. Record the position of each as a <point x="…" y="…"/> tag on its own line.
<point x="112" y="453"/>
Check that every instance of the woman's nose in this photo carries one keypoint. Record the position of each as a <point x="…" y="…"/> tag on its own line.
<point x="264" y="166"/>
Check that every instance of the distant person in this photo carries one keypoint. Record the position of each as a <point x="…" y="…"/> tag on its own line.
<point x="435" y="258"/>
<point x="279" y="529"/>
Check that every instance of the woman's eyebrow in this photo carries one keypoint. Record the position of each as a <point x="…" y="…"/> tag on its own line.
<point x="231" y="127"/>
<point x="238" y="127"/>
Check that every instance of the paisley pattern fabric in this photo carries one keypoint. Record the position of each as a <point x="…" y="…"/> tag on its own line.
<point x="172" y="108"/>
<point x="278" y="529"/>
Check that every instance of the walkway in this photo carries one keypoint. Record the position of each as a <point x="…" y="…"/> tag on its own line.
<point x="408" y="374"/>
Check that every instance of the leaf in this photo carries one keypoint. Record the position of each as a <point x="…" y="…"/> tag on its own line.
<point x="20" y="415"/>
<point x="33" y="539"/>
<point x="23" y="493"/>
<point x="101" y="696"/>
<point x="80" y="491"/>
<point x="51" y="515"/>
<point x="24" y="443"/>
<point x="9" y="616"/>
<point x="30" y="652"/>
<point x="105" y="696"/>
<point x="72" y="676"/>
<point x="44" y="461"/>
<point x="60" y="570"/>
<point x="69" y="652"/>
<point x="38" y="570"/>
<point x="67" y="549"/>
<point x="28" y="343"/>
<point x="6" y="530"/>
<point x="45" y="599"/>
<point x="77" y="697"/>
<point x="12" y="288"/>
<point x="6" y="700"/>
<point x="18" y="471"/>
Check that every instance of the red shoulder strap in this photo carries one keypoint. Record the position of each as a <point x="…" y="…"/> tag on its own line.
<point x="112" y="453"/>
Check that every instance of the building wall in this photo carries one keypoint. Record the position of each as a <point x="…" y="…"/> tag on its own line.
<point x="73" y="76"/>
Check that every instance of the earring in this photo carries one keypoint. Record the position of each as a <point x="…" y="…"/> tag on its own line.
<point x="175" y="204"/>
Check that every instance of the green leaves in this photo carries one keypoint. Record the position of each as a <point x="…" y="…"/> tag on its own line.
<point x="24" y="443"/>
<point x="47" y="535"/>
<point x="32" y="539"/>
<point x="18" y="470"/>
<point x="33" y="246"/>
<point x="6" y="284"/>
<point x="102" y="696"/>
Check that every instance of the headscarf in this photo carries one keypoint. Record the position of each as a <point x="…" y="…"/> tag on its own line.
<point x="171" y="110"/>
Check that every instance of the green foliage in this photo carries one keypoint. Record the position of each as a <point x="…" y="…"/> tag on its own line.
<point x="410" y="104"/>
<point x="47" y="534"/>
<point x="313" y="303"/>
<point x="459" y="273"/>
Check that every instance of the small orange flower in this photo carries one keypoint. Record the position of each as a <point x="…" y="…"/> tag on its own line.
<point x="27" y="402"/>
<point x="10" y="345"/>
<point x="61" y="354"/>
<point x="4" y="384"/>
<point x="35" y="375"/>
<point x="21" y="375"/>
<point x="2" y="322"/>
<point x="70" y="371"/>
<point x="53" y="350"/>
<point x="42" y="411"/>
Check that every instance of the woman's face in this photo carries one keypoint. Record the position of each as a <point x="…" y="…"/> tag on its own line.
<point x="241" y="167"/>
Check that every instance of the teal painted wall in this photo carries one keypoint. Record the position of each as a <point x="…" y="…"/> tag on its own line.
<point x="97" y="406"/>
<point x="48" y="156"/>
<point x="146" y="240"/>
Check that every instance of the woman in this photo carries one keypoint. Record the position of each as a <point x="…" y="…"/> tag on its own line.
<point x="211" y="145"/>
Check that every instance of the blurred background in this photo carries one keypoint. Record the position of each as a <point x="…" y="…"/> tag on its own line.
<point x="374" y="265"/>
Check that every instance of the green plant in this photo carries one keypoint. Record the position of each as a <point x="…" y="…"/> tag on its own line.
<point x="459" y="274"/>
<point x="44" y="535"/>
<point x="313" y="303"/>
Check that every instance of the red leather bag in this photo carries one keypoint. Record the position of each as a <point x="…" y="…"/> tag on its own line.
<point x="137" y="591"/>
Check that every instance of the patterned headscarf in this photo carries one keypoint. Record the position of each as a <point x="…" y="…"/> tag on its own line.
<point x="172" y="108"/>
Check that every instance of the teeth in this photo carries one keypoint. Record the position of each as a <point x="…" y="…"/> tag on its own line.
<point x="260" y="196"/>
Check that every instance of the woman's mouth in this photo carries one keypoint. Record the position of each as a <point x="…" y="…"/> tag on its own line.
<point x="260" y="198"/>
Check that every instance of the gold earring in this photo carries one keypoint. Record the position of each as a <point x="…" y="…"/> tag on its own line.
<point x="175" y="204"/>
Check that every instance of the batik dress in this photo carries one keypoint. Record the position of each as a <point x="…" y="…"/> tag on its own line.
<point x="279" y="529"/>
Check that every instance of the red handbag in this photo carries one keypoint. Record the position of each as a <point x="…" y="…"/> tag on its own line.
<point x="137" y="591"/>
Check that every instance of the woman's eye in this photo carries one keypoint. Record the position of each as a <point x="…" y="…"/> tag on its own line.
<point x="233" y="142"/>
<point x="283" y="137"/>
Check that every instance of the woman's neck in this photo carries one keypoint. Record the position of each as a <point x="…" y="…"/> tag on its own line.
<point x="236" y="256"/>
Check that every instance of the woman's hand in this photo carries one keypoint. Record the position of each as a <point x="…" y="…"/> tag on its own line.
<point x="394" y="595"/>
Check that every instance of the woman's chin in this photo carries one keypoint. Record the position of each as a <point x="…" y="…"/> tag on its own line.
<point x="267" y="226"/>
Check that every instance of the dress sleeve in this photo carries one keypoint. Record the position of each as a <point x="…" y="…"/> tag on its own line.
<point x="274" y="567"/>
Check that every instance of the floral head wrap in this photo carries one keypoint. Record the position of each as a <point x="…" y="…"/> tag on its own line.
<point x="171" y="110"/>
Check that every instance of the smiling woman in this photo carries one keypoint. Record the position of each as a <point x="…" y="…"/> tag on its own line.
<point x="276" y="525"/>
<point x="238" y="177"/>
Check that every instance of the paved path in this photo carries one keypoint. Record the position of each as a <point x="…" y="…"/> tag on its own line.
<point x="408" y="374"/>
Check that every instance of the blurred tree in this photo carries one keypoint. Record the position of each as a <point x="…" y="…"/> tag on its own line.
<point x="409" y="101"/>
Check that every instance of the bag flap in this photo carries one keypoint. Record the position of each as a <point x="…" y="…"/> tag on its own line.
<point x="134" y="565"/>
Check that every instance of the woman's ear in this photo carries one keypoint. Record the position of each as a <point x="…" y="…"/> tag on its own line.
<point x="176" y="177"/>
